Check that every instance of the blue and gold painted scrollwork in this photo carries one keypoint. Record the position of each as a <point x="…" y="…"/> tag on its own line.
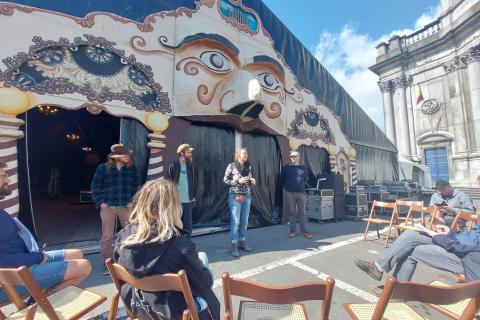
<point x="309" y="124"/>
<point x="90" y="66"/>
<point x="239" y="16"/>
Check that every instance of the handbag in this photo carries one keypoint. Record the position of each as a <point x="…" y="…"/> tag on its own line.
<point x="239" y="197"/>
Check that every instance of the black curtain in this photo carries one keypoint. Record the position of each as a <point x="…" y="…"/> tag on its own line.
<point x="213" y="150"/>
<point x="134" y="135"/>
<point x="265" y="158"/>
<point x="317" y="162"/>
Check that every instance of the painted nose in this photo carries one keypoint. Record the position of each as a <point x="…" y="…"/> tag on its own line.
<point x="242" y="95"/>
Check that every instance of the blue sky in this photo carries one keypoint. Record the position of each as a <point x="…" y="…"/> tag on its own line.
<point x="342" y="34"/>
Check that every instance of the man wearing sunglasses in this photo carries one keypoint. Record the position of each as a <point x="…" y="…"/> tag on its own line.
<point x="294" y="177"/>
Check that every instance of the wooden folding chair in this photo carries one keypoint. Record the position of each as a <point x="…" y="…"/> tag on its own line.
<point x="165" y="282"/>
<point x="470" y="218"/>
<point x="275" y="302"/>
<point x="68" y="303"/>
<point x="430" y="212"/>
<point x="413" y="206"/>
<point x="412" y="291"/>
<point x="372" y="218"/>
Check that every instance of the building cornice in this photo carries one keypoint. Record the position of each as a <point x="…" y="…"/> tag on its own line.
<point x="437" y="41"/>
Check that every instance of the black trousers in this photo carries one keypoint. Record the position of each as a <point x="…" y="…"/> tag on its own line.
<point x="187" y="216"/>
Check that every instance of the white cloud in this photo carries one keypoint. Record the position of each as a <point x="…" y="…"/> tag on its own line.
<point x="348" y="54"/>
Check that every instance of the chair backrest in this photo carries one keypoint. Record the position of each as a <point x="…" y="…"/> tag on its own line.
<point x="467" y="216"/>
<point x="387" y="205"/>
<point x="407" y="203"/>
<point x="432" y="212"/>
<point x="425" y="293"/>
<point x="164" y="282"/>
<point x="23" y="277"/>
<point x="317" y="290"/>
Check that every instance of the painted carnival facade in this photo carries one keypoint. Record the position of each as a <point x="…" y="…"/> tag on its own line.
<point x="203" y="64"/>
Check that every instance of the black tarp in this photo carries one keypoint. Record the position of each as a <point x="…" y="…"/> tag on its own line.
<point x="265" y="158"/>
<point x="317" y="162"/>
<point x="213" y="151"/>
<point x="213" y="148"/>
<point x="134" y="135"/>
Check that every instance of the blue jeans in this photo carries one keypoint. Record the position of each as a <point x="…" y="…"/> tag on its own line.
<point x="47" y="274"/>
<point x="412" y="247"/>
<point x="239" y="212"/>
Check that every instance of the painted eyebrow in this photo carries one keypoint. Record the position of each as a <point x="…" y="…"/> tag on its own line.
<point x="271" y="60"/>
<point x="201" y="36"/>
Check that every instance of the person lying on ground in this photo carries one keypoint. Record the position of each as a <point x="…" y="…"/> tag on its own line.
<point x="53" y="270"/>
<point x="444" y="249"/>
<point x="153" y="242"/>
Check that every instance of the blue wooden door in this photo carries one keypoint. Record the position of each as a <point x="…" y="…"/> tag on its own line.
<point x="437" y="160"/>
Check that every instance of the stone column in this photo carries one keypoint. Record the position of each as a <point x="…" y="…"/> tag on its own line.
<point x="403" y="137"/>
<point x="155" y="162"/>
<point x="411" y="121"/>
<point x="9" y="133"/>
<point x="472" y="59"/>
<point x="386" y="87"/>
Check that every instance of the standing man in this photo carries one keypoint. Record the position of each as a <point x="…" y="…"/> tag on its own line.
<point x="294" y="177"/>
<point x="181" y="172"/>
<point x="53" y="270"/>
<point x="113" y="187"/>
<point x="449" y="201"/>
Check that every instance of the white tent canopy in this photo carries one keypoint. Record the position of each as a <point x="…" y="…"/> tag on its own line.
<point x="416" y="172"/>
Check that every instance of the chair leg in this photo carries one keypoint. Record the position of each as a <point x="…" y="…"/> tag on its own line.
<point x="366" y="230"/>
<point x="112" y="313"/>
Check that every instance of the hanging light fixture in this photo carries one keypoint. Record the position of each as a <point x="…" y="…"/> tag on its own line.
<point x="87" y="149"/>
<point x="47" y="110"/>
<point x="72" y="137"/>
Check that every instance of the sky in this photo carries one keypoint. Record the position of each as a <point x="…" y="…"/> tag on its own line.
<point x="343" y="34"/>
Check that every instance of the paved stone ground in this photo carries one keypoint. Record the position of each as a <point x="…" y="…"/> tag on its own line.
<point x="279" y="260"/>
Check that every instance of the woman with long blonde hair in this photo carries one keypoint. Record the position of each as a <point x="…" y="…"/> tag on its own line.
<point x="154" y="242"/>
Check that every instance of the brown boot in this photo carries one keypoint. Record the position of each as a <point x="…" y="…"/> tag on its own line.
<point x="244" y="246"/>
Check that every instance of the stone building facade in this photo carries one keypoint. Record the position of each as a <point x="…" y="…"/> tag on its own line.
<point x="430" y="82"/>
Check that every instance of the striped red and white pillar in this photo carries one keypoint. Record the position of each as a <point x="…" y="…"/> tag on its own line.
<point x="353" y="166"/>
<point x="155" y="163"/>
<point x="9" y="133"/>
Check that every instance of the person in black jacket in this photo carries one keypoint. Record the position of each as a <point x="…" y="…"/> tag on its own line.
<point x="154" y="243"/>
<point x="181" y="172"/>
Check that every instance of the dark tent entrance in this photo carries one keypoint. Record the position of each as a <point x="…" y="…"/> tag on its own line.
<point x="214" y="148"/>
<point x="317" y="162"/>
<point x="57" y="161"/>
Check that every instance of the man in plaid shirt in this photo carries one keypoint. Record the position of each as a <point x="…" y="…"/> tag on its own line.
<point x="113" y="186"/>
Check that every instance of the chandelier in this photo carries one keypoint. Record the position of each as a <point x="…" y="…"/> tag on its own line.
<point x="86" y="149"/>
<point x="47" y="110"/>
<point x="72" y="137"/>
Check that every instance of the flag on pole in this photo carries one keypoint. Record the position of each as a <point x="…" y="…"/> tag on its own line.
<point x="420" y="95"/>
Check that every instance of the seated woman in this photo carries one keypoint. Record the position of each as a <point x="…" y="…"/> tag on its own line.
<point x="154" y="243"/>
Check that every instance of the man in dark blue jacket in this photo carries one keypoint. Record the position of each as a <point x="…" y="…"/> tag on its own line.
<point x="294" y="176"/>
<point x="56" y="269"/>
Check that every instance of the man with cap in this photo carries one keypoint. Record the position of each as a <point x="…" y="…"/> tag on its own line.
<point x="181" y="172"/>
<point x="294" y="177"/>
<point x="113" y="186"/>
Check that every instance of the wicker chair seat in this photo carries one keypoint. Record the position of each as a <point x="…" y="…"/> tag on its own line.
<point x="253" y="310"/>
<point x="394" y="311"/>
<point x="68" y="303"/>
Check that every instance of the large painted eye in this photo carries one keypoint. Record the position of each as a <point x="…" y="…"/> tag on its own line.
<point x="216" y="61"/>
<point x="268" y="81"/>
